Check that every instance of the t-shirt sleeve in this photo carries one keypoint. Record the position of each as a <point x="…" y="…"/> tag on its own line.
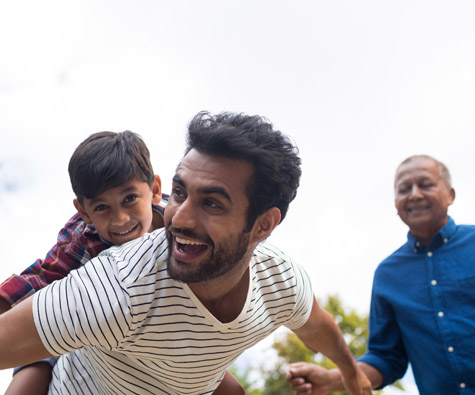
<point x="87" y="308"/>
<point x="303" y="298"/>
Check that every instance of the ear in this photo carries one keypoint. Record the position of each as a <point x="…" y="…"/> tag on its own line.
<point x="265" y="224"/>
<point x="157" y="190"/>
<point x="451" y="196"/>
<point x="82" y="212"/>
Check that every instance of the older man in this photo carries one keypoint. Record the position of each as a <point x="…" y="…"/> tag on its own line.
<point x="422" y="304"/>
<point x="169" y="313"/>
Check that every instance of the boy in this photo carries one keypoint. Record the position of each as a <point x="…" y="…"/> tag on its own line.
<point x="118" y="199"/>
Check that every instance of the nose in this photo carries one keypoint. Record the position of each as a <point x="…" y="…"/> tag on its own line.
<point x="184" y="215"/>
<point x="120" y="217"/>
<point x="416" y="193"/>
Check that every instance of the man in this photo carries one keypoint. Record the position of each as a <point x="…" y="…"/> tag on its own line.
<point x="169" y="313"/>
<point x="422" y="304"/>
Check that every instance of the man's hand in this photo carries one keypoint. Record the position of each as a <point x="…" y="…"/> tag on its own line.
<point x="311" y="379"/>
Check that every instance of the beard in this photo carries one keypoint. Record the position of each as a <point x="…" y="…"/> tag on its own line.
<point x="224" y="256"/>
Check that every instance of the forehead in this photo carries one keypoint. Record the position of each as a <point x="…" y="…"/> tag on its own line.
<point x="417" y="169"/>
<point x="205" y="172"/>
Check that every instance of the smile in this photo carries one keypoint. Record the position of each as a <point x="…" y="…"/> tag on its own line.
<point x="188" y="249"/>
<point x="126" y="231"/>
<point x="189" y="242"/>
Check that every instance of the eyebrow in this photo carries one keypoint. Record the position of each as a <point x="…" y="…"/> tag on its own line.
<point x="206" y="190"/>
<point x="124" y="191"/>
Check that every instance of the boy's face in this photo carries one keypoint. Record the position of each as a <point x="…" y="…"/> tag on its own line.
<point x="123" y="213"/>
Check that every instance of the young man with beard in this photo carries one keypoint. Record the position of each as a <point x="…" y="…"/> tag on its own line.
<point x="169" y="313"/>
<point x="422" y="304"/>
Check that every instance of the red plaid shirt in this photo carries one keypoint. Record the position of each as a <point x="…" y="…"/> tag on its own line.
<point x="77" y="243"/>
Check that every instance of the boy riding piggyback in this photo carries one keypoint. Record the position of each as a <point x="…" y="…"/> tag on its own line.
<point x="118" y="199"/>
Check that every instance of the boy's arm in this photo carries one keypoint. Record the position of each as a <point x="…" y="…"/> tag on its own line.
<point x="33" y="379"/>
<point x="229" y="386"/>
<point x="4" y="306"/>
<point x="76" y="244"/>
<point x="321" y="334"/>
<point x="20" y="342"/>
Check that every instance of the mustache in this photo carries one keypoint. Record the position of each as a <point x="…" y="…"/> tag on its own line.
<point x="191" y="234"/>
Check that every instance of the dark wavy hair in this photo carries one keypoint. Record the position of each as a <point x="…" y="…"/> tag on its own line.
<point x="275" y="160"/>
<point x="107" y="160"/>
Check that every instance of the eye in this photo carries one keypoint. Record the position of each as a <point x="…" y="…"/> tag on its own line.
<point x="214" y="206"/>
<point x="426" y="185"/>
<point x="178" y="194"/>
<point x="100" y="207"/>
<point x="130" y="198"/>
<point x="403" y="189"/>
<point x="211" y="203"/>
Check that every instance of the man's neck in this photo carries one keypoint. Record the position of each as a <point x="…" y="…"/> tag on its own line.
<point x="425" y="235"/>
<point x="225" y="296"/>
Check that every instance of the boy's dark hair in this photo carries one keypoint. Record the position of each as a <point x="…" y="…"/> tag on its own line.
<point x="275" y="161"/>
<point x="107" y="160"/>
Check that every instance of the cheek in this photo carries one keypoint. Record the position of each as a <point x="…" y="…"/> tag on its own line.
<point x="399" y="204"/>
<point x="168" y="215"/>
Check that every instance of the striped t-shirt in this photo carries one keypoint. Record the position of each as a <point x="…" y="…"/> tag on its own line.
<point x="137" y="331"/>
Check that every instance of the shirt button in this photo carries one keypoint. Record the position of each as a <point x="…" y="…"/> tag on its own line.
<point x="441" y="314"/>
<point x="417" y="244"/>
<point x="429" y="254"/>
<point x="450" y="349"/>
<point x="434" y="282"/>
<point x="446" y="240"/>
<point x="462" y="385"/>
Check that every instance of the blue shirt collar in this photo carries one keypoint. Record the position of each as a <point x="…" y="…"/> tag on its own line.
<point x="441" y="237"/>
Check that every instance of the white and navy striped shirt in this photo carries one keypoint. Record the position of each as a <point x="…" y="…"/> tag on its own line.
<point x="137" y="331"/>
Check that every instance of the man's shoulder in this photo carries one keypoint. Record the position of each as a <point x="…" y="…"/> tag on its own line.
<point x="140" y="256"/>
<point x="267" y="256"/>
<point x="466" y="229"/>
<point x="265" y="251"/>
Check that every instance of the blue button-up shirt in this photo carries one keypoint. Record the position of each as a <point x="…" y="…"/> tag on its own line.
<point x="423" y="312"/>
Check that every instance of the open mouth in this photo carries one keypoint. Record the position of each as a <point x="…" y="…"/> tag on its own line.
<point x="189" y="247"/>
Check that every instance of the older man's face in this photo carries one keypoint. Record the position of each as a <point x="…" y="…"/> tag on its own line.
<point x="422" y="196"/>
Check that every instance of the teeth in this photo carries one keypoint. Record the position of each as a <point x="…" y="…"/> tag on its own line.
<point x="184" y="241"/>
<point x="126" y="231"/>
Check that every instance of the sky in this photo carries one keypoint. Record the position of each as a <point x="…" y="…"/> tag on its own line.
<point x="359" y="86"/>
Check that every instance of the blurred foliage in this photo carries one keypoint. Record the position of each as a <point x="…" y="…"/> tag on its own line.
<point x="290" y="349"/>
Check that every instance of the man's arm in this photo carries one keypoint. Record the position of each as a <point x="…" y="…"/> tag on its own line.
<point x="321" y="334"/>
<point x="20" y="343"/>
